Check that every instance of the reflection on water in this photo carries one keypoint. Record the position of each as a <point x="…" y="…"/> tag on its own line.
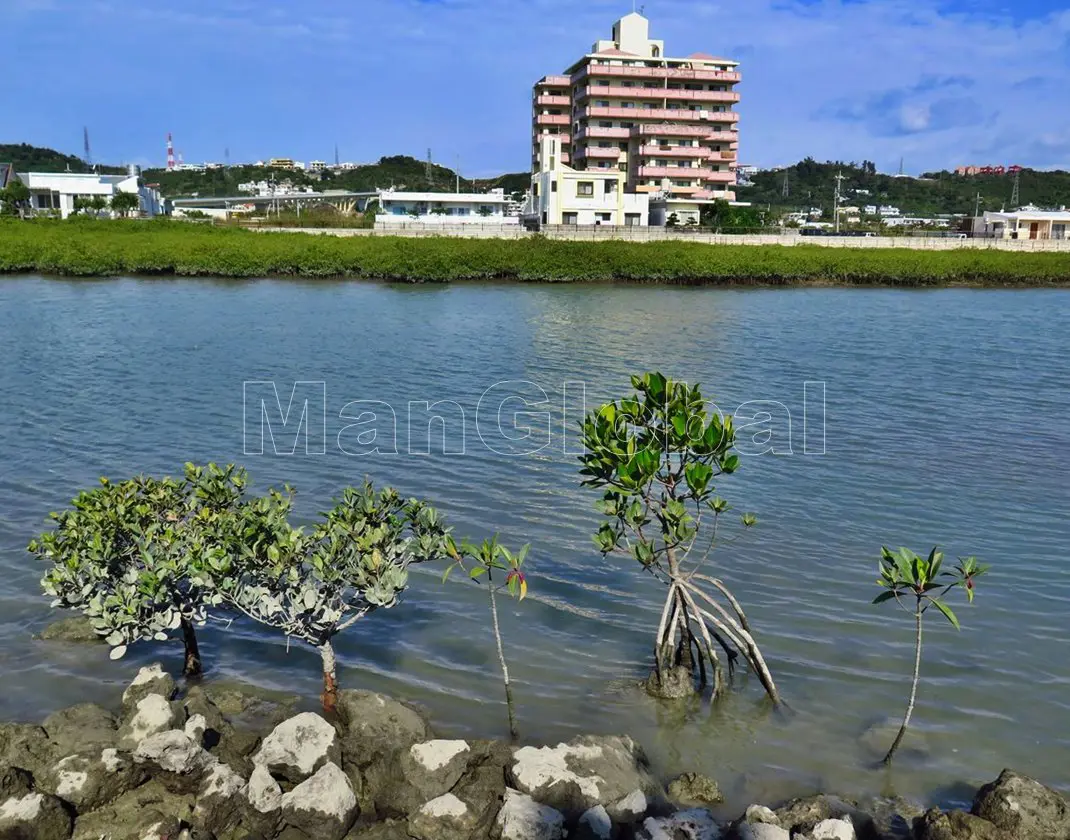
<point x="945" y="421"/>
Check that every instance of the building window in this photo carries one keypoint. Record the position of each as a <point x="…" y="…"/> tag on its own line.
<point x="602" y="103"/>
<point x="570" y="218"/>
<point x="605" y="124"/>
<point x="623" y="167"/>
<point x="553" y="186"/>
<point x="486" y="210"/>
<point x="585" y="189"/>
<point x="604" y="217"/>
<point x="464" y="211"/>
<point x="656" y="52"/>
<point x="611" y="187"/>
<point x="632" y="219"/>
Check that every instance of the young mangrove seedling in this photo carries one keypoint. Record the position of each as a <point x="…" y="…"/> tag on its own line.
<point x="912" y="581"/>
<point x="482" y="561"/>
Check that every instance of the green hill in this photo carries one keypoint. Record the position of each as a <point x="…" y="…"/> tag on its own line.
<point x="27" y="158"/>
<point x="812" y="184"/>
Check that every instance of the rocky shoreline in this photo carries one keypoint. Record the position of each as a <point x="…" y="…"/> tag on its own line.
<point x="220" y="763"/>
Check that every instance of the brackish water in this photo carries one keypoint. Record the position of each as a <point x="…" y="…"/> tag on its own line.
<point x="945" y="420"/>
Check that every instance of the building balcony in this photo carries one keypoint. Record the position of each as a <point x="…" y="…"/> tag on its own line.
<point x="676" y="130"/>
<point x="552" y="119"/>
<point x="676" y="74"/>
<point x="553" y="100"/>
<point x="699" y="152"/>
<point x="554" y="81"/>
<point x="609" y="112"/>
<point x="599" y="152"/>
<point x="658" y="93"/>
<point x="685" y="173"/>
<point x="609" y="133"/>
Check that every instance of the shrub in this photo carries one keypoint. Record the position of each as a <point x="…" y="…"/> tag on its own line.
<point x="355" y="561"/>
<point x="141" y="557"/>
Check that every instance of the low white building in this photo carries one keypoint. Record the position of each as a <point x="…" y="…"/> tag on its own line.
<point x="55" y="192"/>
<point x="561" y="195"/>
<point x="1027" y="223"/>
<point x="399" y="208"/>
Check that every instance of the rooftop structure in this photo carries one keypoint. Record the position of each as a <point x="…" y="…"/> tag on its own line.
<point x="668" y="123"/>
<point x="1027" y="223"/>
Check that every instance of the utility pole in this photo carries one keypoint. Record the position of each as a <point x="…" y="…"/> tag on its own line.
<point x="977" y="205"/>
<point x="1016" y="196"/>
<point x="427" y="171"/>
<point x="85" y="139"/>
<point x="836" y="203"/>
<point x="457" y="172"/>
<point x="786" y="189"/>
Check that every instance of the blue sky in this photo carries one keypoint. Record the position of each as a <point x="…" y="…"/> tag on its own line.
<point x="937" y="82"/>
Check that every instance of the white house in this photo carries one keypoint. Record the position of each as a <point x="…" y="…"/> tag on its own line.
<point x="400" y="208"/>
<point x="561" y="195"/>
<point x="1027" y="223"/>
<point x="52" y="192"/>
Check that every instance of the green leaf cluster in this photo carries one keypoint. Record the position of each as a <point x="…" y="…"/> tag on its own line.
<point x="658" y="453"/>
<point x="141" y="556"/>
<point x="906" y="575"/>
<point x="483" y="559"/>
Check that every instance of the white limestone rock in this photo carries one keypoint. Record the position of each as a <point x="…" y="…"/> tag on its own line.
<point x="323" y="806"/>
<point x="692" y="824"/>
<point x="298" y="747"/>
<point x="838" y="829"/>
<point x="173" y="752"/>
<point x="522" y="818"/>
<point x="443" y="818"/>
<point x="35" y="816"/>
<point x="263" y="792"/>
<point x="90" y="780"/>
<point x="588" y="771"/>
<point x="594" y="824"/>
<point x="152" y="715"/>
<point x="630" y="809"/>
<point x="151" y="679"/>
<point x="762" y="831"/>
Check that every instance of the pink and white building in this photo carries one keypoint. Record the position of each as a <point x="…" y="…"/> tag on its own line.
<point x="669" y="124"/>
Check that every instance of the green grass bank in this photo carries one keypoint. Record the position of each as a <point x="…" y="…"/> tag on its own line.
<point x="107" y="248"/>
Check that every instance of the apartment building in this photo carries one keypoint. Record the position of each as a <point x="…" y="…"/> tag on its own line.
<point x="669" y="124"/>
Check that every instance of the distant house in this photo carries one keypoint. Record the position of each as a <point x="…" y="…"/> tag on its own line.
<point x="1027" y="223"/>
<point x="400" y="207"/>
<point x="55" y="192"/>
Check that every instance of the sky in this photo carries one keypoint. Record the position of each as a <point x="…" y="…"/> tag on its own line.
<point x="936" y="83"/>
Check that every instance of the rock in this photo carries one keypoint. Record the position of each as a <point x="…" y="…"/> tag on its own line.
<point x="385" y="830"/>
<point x="197" y="703"/>
<point x="235" y="747"/>
<point x="583" y="773"/>
<point x="801" y="816"/>
<point x="482" y="787"/>
<point x="694" y="824"/>
<point x="151" y="715"/>
<point x="443" y="818"/>
<point x="522" y="818"/>
<point x="262" y="791"/>
<point x="148" y="812"/>
<point x="14" y="782"/>
<point x="323" y="806"/>
<point x="877" y="738"/>
<point x="761" y="814"/>
<point x="81" y="728"/>
<point x="76" y="628"/>
<point x="675" y="684"/>
<point x="34" y="816"/>
<point x="25" y="747"/>
<point x="196" y="727"/>
<point x="90" y="780"/>
<point x="955" y="825"/>
<point x="893" y="817"/>
<point x="172" y="752"/>
<point x="152" y="679"/>
<point x="632" y="808"/>
<point x="693" y="789"/>
<point x="403" y="783"/>
<point x="374" y="726"/>
<point x="839" y="829"/>
<point x="220" y="804"/>
<point x="1023" y="808"/>
<point x="594" y="824"/>
<point x="762" y="831"/>
<point x="298" y="747"/>
<point x="251" y="707"/>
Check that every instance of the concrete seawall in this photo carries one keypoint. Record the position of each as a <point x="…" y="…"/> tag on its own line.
<point x="592" y="234"/>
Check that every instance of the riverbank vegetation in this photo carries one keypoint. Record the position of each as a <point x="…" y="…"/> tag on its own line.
<point x="108" y="248"/>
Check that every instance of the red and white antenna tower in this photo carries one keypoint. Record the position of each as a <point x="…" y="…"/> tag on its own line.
<point x="170" y="153"/>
